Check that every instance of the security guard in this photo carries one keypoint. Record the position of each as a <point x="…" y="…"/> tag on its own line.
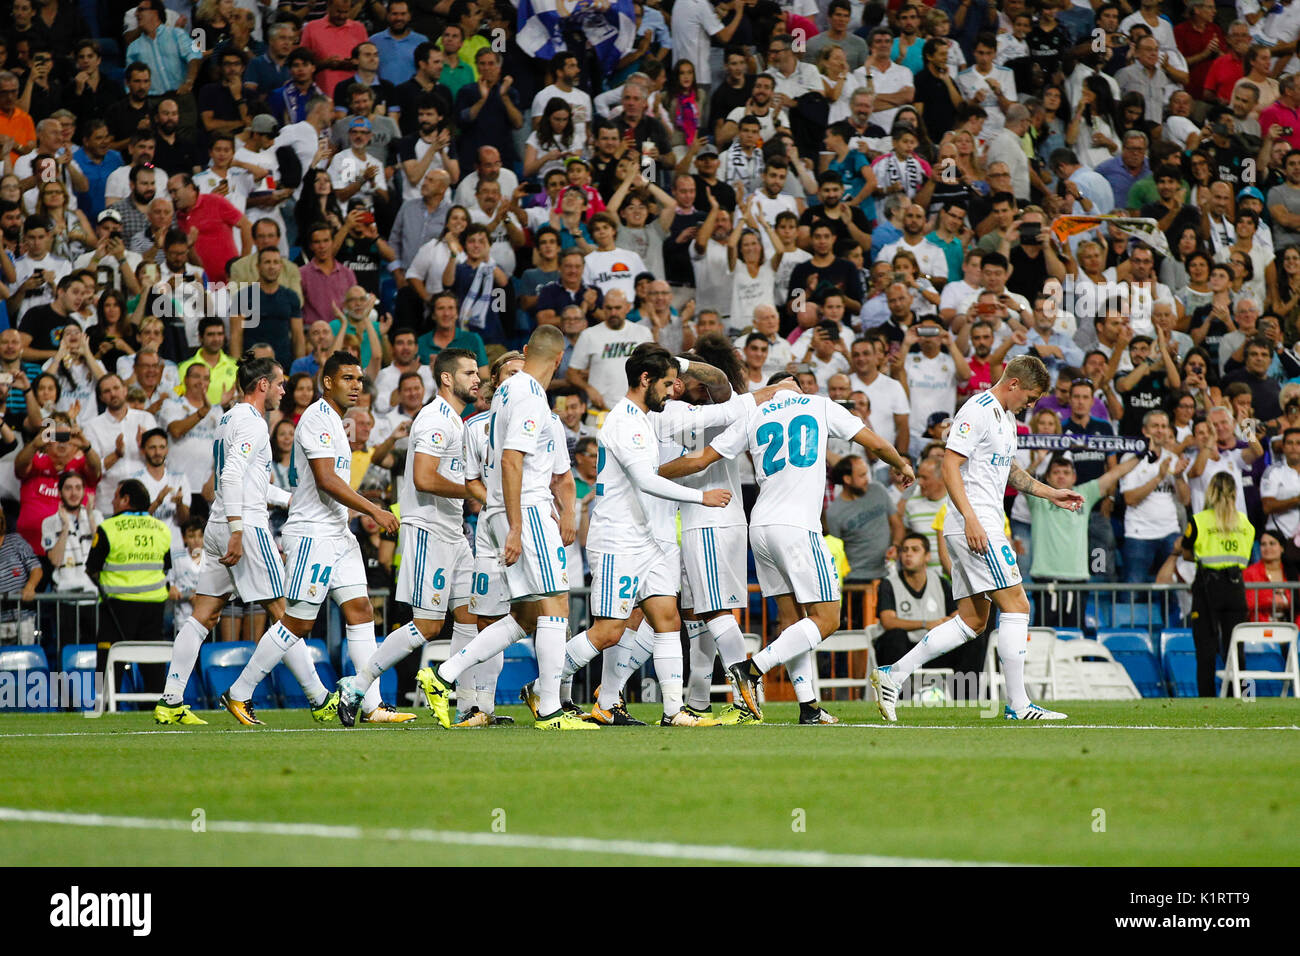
<point x="1219" y="539"/>
<point x="129" y="560"/>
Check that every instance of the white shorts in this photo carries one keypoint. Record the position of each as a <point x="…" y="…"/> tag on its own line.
<point x="434" y="575"/>
<point x="322" y="567"/>
<point x="621" y="581"/>
<point x="973" y="573"/>
<point x="259" y="575"/>
<point x="713" y="569"/>
<point x="542" y="565"/>
<point x="796" y="561"/>
<point x="488" y="596"/>
<point x="664" y="576"/>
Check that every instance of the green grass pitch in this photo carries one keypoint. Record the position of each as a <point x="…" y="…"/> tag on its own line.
<point x="1179" y="782"/>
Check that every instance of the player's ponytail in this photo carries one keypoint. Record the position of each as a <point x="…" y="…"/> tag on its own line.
<point x="252" y="370"/>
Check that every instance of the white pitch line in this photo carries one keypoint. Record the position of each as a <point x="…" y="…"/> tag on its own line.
<point x="988" y="725"/>
<point x="497" y="841"/>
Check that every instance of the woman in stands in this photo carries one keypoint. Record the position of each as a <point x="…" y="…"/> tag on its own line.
<point x="687" y="103"/>
<point x="1270" y="604"/>
<point x="1173" y="268"/>
<point x="1285" y="300"/>
<point x="1091" y="133"/>
<point x="1195" y="378"/>
<point x="318" y="203"/>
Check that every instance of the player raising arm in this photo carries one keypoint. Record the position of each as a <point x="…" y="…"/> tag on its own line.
<point x="978" y="465"/>
<point x="787" y="437"/>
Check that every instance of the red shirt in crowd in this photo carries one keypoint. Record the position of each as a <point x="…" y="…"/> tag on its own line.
<point x="1191" y="42"/>
<point x="39" y="496"/>
<point x="214" y="217"/>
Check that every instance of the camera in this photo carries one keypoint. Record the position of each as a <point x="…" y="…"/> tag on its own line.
<point x="1287" y="130"/>
<point x="63" y="436"/>
<point x="1030" y="233"/>
<point x="928" y="331"/>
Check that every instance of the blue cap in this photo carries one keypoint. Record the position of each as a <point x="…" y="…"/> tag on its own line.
<point x="1252" y="192"/>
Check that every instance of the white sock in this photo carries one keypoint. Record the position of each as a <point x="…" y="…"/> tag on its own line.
<point x="550" y="661"/>
<point x="726" y="635"/>
<point x="639" y="649"/>
<point x="185" y="651"/>
<point x="701" y="679"/>
<point x="668" y="668"/>
<point x="361" y="647"/>
<point x="270" y="649"/>
<point x="566" y="688"/>
<point x="1013" y="642"/>
<point x="395" y="648"/>
<point x="298" y="659"/>
<point x="490" y="642"/>
<point x="466" y="695"/>
<point x="578" y="653"/>
<point x="485" y="682"/>
<point x="799" y="637"/>
<point x="941" y="639"/>
<point x="612" y="657"/>
<point x="800" y="669"/>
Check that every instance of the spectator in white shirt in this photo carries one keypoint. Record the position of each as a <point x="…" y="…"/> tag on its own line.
<point x="1279" y="488"/>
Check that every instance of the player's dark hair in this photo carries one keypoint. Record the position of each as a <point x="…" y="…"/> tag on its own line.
<point x="716" y="349"/>
<point x="651" y="359"/>
<point x="337" y="361"/>
<point x="252" y="370"/>
<point x="780" y="376"/>
<point x="137" y="497"/>
<point x="446" y="362"/>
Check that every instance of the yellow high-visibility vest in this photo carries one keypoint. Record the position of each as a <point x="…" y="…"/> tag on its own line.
<point x="138" y="545"/>
<point x="1222" y="549"/>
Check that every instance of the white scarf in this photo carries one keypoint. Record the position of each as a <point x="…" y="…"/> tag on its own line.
<point x="907" y="172"/>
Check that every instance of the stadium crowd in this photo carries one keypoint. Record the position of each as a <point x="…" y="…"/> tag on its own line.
<point x="858" y="194"/>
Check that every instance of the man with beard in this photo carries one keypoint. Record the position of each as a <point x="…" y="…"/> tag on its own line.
<point x="398" y="43"/>
<point x="429" y="62"/>
<point x="207" y="219"/>
<point x="597" y="365"/>
<point x="706" y="178"/>
<point x="847" y="223"/>
<point x="426" y="150"/>
<point x="770" y="119"/>
<point x="175" y="153"/>
<point x="250" y="568"/>
<point x="141" y="150"/>
<point x="931" y="259"/>
<point x="169" y="490"/>
<point x="11" y="228"/>
<point x="290" y="103"/>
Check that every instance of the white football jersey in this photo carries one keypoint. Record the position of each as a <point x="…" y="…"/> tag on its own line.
<point x="241" y="458"/>
<point x="685" y="429"/>
<point x="985" y="434"/>
<point x="519" y="421"/>
<point x="476" y="442"/>
<point x="620" y="523"/>
<point x="312" y="513"/>
<point x="437" y="431"/>
<point x="787" y="439"/>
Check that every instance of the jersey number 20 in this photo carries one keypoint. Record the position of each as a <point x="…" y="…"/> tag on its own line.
<point x="802" y="444"/>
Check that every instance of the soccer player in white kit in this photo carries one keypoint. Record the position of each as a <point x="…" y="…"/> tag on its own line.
<point x="242" y="487"/>
<point x="978" y="465"/>
<point x="437" y="564"/>
<point x="787" y="437"/>
<point x="323" y="555"/>
<point x="489" y="600"/>
<point x="522" y="531"/>
<point x="631" y="544"/>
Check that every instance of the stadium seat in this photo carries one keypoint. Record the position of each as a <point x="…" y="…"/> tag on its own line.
<point x="520" y="668"/>
<point x="1086" y="670"/>
<point x="1136" y="615"/>
<point x="1069" y="633"/>
<point x="387" y="680"/>
<point x="843" y="642"/>
<point x="1132" y="648"/>
<point x="133" y="652"/>
<point x="286" y="686"/>
<point x="17" y="662"/>
<point x="1276" y="659"/>
<point x="1096" y="614"/>
<point x="79" y="660"/>
<point x="220" y="664"/>
<point x="1178" y="658"/>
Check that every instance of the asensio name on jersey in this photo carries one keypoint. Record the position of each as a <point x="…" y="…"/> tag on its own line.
<point x="312" y="513"/>
<point x="985" y="434"/>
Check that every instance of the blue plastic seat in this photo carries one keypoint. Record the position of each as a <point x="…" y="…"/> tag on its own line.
<point x="387" y="680"/>
<point x="17" y="663"/>
<point x="78" y="661"/>
<point x="1178" y="656"/>
<point x="1265" y="657"/>
<point x="1132" y="648"/>
<point x="520" y="668"/>
<point x="1069" y="633"/>
<point x="286" y="685"/>
<point x="1137" y="615"/>
<point x="220" y="664"/>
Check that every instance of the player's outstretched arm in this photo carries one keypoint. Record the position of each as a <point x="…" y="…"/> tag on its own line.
<point x="712" y="379"/>
<point x="475" y="489"/>
<point x="691" y="464"/>
<point x="328" y="481"/>
<point x="886" y="453"/>
<point x="645" y="480"/>
<point x="1026" y="483"/>
<point x="428" y="480"/>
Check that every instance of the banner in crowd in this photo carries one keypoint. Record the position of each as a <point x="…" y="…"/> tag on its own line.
<point x="1106" y="443"/>
<point x="608" y="25"/>
<point x="1144" y="230"/>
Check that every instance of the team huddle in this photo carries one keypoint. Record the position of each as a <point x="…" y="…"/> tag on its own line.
<point x="668" y="455"/>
